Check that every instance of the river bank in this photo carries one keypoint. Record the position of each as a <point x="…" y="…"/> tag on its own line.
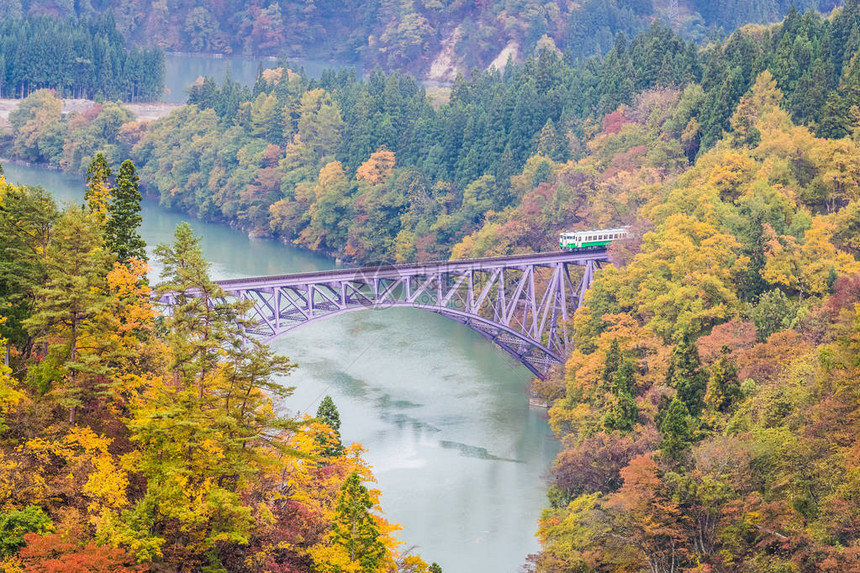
<point x="148" y="111"/>
<point x="443" y="414"/>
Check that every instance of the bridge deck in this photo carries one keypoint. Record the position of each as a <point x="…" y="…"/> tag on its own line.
<point x="416" y="269"/>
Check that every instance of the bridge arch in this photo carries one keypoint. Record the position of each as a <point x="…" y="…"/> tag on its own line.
<point x="519" y="302"/>
<point x="532" y="354"/>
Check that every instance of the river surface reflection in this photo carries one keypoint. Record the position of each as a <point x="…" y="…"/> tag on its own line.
<point x="181" y="70"/>
<point x="444" y="414"/>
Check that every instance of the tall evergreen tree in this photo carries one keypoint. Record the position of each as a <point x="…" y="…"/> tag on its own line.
<point x="624" y="378"/>
<point x="685" y="374"/>
<point x="623" y="415"/>
<point x="76" y="265"/>
<point x="328" y="414"/>
<point x="211" y="429"/>
<point x="121" y="236"/>
<point x="26" y="218"/>
<point x="675" y="427"/>
<point x="354" y="527"/>
<point x="612" y="361"/>
<point x="724" y="390"/>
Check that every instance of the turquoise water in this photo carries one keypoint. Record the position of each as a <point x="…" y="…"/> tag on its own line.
<point x="181" y="70"/>
<point x="458" y="453"/>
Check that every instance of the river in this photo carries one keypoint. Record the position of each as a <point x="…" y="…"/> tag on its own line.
<point x="458" y="452"/>
<point x="180" y="70"/>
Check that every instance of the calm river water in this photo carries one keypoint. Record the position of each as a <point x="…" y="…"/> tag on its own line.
<point x="444" y="414"/>
<point x="181" y="70"/>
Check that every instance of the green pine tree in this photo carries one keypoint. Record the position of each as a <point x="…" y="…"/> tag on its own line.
<point x="121" y="236"/>
<point x="675" y="427"/>
<point x="686" y="375"/>
<point x="623" y="415"/>
<point x="76" y="265"/>
<point x="624" y="378"/>
<point x="612" y="361"/>
<point x="354" y="527"/>
<point x="327" y="413"/>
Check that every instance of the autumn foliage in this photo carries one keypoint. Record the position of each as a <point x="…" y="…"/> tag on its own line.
<point x="132" y="440"/>
<point x="740" y="315"/>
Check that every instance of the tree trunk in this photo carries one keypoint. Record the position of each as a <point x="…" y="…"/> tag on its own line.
<point x="73" y="354"/>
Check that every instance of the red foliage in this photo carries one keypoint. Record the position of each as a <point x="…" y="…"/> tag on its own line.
<point x="426" y="247"/>
<point x="91" y="113"/>
<point x="60" y="553"/>
<point x="271" y="156"/>
<point x="596" y="463"/>
<point x="735" y="334"/>
<point x="816" y="325"/>
<point x="764" y="360"/>
<point x="613" y="122"/>
<point x="628" y="160"/>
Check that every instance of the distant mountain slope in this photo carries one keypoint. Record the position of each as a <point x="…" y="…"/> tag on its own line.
<point x="411" y="35"/>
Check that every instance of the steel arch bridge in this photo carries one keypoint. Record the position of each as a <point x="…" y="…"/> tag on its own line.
<point x="519" y="302"/>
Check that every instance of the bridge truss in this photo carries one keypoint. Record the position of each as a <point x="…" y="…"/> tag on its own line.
<point x="521" y="303"/>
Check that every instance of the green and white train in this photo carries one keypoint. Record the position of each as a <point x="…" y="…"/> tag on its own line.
<point x="596" y="238"/>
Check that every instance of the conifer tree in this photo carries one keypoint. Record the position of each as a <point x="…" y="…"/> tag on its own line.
<point x="199" y="323"/>
<point x="686" y="375"/>
<point x="211" y="428"/>
<point x="675" y="427"/>
<point x="612" y="362"/>
<point x="724" y="390"/>
<point x="328" y="414"/>
<point x="623" y="415"/>
<point x="121" y="236"/>
<point x="624" y="378"/>
<point x="76" y="268"/>
<point x="26" y="218"/>
<point x="354" y="527"/>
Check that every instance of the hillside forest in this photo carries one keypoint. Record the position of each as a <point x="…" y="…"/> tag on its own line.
<point x="134" y="440"/>
<point x="430" y="38"/>
<point x="369" y="170"/>
<point x="708" y="415"/>
<point x="86" y="58"/>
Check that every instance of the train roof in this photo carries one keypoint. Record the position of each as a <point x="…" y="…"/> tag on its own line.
<point x="590" y="231"/>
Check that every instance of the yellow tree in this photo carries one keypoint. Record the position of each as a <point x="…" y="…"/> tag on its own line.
<point x="207" y="429"/>
<point x="126" y="351"/>
<point x="684" y="278"/>
<point x="804" y="268"/>
<point x="10" y="393"/>
<point x="378" y="168"/>
<point x="97" y="195"/>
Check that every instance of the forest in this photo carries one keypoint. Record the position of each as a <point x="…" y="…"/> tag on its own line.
<point x="133" y="439"/>
<point x="86" y="58"/>
<point x="369" y="170"/>
<point x="708" y="415"/>
<point x="410" y="35"/>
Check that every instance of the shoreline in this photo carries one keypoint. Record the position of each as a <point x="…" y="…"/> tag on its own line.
<point x="146" y="111"/>
<point x="149" y="196"/>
